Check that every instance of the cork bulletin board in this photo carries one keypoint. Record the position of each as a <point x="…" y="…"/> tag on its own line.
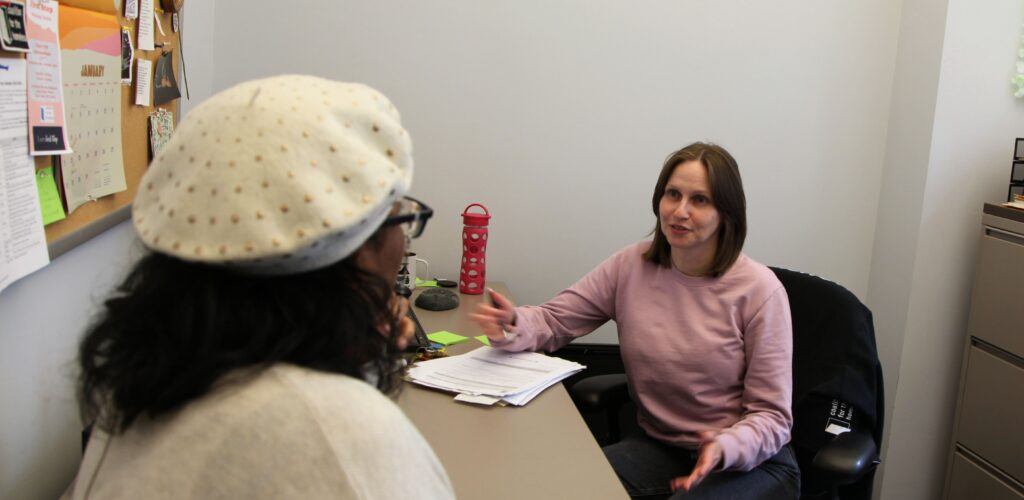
<point x="95" y="217"/>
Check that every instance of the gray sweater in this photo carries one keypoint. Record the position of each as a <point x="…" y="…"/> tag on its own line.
<point x="287" y="432"/>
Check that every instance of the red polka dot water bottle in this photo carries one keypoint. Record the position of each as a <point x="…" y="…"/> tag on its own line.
<point x="474" y="248"/>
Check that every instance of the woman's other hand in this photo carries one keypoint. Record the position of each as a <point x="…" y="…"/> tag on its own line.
<point x="494" y="316"/>
<point x="707" y="460"/>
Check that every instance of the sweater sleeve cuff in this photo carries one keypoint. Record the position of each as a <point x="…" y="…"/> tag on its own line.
<point x="730" y="451"/>
<point x="509" y="339"/>
<point x="516" y="336"/>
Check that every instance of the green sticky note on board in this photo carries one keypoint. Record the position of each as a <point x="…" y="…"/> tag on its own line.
<point x="49" y="198"/>
<point x="426" y="283"/>
<point x="483" y="339"/>
<point x="447" y="338"/>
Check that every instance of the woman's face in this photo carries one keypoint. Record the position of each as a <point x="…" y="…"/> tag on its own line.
<point x="689" y="219"/>
<point x="382" y="255"/>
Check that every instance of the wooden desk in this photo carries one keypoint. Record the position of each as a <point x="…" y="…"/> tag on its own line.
<point x="541" y="450"/>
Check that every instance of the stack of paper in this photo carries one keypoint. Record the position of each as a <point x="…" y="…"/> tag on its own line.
<point x="1015" y="204"/>
<point x="488" y="375"/>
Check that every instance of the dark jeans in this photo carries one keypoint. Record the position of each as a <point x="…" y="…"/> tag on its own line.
<point x="645" y="466"/>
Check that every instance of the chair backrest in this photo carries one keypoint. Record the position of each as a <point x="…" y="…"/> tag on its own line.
<point x="835" y="362"/>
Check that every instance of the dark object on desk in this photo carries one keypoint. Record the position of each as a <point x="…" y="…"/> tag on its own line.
<point x="420" y="337"/>
<point x="835" y="363"/>
<point x="401" y="290"/>
<point x="437" y="299"/>
<point x="446" y="283"/>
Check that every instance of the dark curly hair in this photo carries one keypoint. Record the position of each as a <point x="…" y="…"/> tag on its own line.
<point x="173" y="328"/>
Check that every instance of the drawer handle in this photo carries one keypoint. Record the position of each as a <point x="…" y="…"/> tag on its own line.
<point x="1004" y="235"/>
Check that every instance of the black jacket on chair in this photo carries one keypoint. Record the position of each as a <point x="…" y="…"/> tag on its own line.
<point x="837" y="377"/>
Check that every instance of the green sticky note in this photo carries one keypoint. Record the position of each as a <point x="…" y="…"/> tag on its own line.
<point x="483" y="339"/>
<point x="426" y="283"/>
<point x="49" y="198"/>
<point x="447" y="338"/>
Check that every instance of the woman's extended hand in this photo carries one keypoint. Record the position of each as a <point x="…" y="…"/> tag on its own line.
<point x="709" y="457"/>
<point x="494" y="316"/>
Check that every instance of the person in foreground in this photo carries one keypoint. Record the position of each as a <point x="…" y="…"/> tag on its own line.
<point x="246" y="354"/>
<point x="705" y="335"/>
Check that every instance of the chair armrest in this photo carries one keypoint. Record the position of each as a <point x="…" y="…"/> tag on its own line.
<point x="845" y="459"/>
<point x="601" y="392"/>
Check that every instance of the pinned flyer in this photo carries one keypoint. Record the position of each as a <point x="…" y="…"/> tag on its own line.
<point x="49" y="197"/>
<point x="159" y="25"/>
<point x="21" y="219"/>
<point x="131" y="9"/>
<point x="91" y="56"/>
<point x="146" y="14"/>
<point x="165" y="87"/>
<point x="47" y="132"/>
<point x="22" y="237"/>
<point x="161" y="126"/>
<point x="12" y="26"/>
<point x="143" y="81"/>
<point x="127" y="56"/>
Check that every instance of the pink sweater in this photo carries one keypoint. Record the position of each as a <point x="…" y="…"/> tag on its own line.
<point x="700" y="353"/>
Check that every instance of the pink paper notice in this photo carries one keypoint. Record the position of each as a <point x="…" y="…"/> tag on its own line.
<point x="47" y="132"/>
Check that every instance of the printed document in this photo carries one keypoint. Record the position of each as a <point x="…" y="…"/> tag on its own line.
<point x="146" y="36"/>
<point x="515" y="377"/>
<point x="22" y="238"/>
<point x="45" y="96"/>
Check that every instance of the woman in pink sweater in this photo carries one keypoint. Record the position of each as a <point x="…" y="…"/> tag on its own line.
<point x="705" y="335"/>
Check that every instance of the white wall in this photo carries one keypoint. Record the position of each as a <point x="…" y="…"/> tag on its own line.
<point x="976" y="121"/>
<point x="197" y="27"/>
<point x="908" y="145"/>
<point x="42" y="317"/>
<point x="557" y="116"/>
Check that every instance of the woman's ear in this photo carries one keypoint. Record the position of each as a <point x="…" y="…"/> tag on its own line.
<point x="382" y="253"/>
<point x="364" y="256"/>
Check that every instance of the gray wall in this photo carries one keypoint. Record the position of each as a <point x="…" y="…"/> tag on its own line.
<point x="43" y="316"/>
<point x="557" y="115"/>
<point x="908" y="148"/>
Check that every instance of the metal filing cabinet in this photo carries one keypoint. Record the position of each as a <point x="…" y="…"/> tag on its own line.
<point x="987" y="456"/>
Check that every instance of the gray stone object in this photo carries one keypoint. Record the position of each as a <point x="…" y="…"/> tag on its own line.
<point x="437" y="299"/>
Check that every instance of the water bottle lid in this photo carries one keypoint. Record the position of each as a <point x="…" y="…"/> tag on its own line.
<point x="475" y="219"/>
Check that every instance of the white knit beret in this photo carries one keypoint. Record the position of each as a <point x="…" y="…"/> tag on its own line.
<point x="276" y="176"/>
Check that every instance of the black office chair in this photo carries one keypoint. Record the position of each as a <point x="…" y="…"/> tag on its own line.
<point x="836" y="375"/>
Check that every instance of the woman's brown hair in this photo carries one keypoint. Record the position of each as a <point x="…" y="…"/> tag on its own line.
<point x="726" y="195"/>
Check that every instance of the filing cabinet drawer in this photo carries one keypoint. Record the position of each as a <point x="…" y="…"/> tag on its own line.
<point x="991" y="409"/>
<point x="970" y="482"/>
<point x="997" y="315"/>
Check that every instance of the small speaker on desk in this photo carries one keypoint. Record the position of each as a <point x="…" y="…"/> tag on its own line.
<point x="437" y="299"/>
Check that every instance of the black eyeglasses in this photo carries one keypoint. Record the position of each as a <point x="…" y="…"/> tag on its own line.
<point x="412" y="216"/>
